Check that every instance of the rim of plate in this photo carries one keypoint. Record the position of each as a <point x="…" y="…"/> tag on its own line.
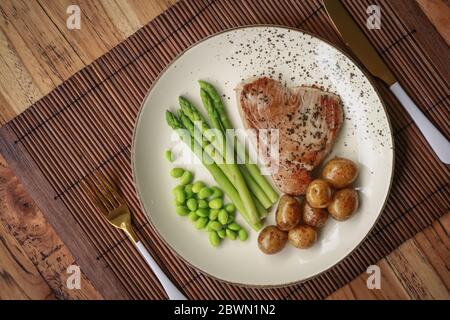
<point x="133" y="158"/>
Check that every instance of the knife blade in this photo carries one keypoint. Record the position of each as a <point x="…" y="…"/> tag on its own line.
<point x="360" y="45"/>
<point x="354" y="38"/>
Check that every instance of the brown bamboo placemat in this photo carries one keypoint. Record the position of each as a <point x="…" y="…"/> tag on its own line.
<point x="85" y="125"/>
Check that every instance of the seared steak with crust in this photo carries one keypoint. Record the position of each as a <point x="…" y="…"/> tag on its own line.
<point x="308" y="120"/>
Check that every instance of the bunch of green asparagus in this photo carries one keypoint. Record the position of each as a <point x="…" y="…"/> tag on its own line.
<point x="244" y="184"/>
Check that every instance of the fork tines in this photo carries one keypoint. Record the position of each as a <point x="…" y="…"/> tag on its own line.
<point x="101" y="193"/>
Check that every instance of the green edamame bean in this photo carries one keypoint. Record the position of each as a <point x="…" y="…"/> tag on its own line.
<point x="178" y="203"/>
<point x="230" y="207"/>
<point x="217" y="193"/>
<point x="197" y="186"/>
<point x="168" y="155"/>
<point x="215" y="225"/>
<point x="186" y="178"/>
<point x="214" y="239"/>
<point x="222" y="233"/>
<point x="234" y="226"/>
<point x="192" y="204"/>
<point x="201" y="223"/>
<point x="178" y="187"/>
<point x="202" y="212"/>
<point x="182" y="211"/>
<point x="179" y="195"/>
<point x="231" y="234"/>
<point x="242" y="235"/>
<point x="208" y="226"/>
<point x="190" y="195"/>
<point x="213" y="213"/>
<point x="222" y="216"/>
<point x="215" y="203"/>
<point x="202" y="204"/>
<point x="204" y="193"/>
<point x="188" y="191"/>
<point x="177" y="172"/>
<point x="230" y="218"/>
<point x="193" y="216"/>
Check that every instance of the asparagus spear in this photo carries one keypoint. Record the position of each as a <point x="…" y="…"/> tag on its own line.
<point x="230" y="170"/>
<point x="219" y="160"/>
<point x="215" y="171"/>
<point x="255" y="188"/>
<point x="261" y="210"/>
<point x="226" y="124"/>
<point x="195" y="116"/>
<point x="215" y="156"/>
<point x="212" y="112"/>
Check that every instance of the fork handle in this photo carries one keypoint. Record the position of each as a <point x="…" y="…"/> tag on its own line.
<point x="172" y="291"/>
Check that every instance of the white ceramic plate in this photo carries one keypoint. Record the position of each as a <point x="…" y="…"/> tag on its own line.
<point x="299" y="59"/>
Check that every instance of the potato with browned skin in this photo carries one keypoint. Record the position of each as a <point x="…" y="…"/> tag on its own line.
<point x="302" y="236"/>
<point x="289" y="213"/>
<point x="340" y="172"/>
<point x="271" y="240"/>
<point x="344" y="204"/>
<point x="318" y="193"/>
<point x="314" y="217"/>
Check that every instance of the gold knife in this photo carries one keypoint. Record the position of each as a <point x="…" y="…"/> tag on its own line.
<point x="356" y="40"/>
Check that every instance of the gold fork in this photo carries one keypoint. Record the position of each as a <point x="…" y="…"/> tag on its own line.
<point x="115" y="210"/>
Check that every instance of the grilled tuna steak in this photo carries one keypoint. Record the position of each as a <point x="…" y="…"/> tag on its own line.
<point x="308" y="120"/>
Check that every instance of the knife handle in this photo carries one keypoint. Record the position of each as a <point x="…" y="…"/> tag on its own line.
<point x="437" y="141"/>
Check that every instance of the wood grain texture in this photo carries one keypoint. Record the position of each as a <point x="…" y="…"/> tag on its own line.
<point x="417" y="280"/>
<point x="36" y="238"/>
<point x="434" y="243"/>
<point x="418" y="269"/>
<point x="422" y="263"/>
<point x="438" y="11"/>
<point x="20" y="279"/>
<point x="45" y="58"/>
<point x="391" y="287"/>
<point x="36" y="58"/>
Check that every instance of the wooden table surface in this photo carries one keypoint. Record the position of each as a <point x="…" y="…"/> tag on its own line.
<point x="38" y="52"/>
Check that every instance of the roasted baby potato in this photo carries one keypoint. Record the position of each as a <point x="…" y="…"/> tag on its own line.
<point x="318" y="194"/>
<point x="271" y="240"/>
<point x="289" y="213"/>
<point x="340" y="172"/>
<point x="302" y="236"/>
<point x="314" y="217"/>
<point x="345" y="202"/>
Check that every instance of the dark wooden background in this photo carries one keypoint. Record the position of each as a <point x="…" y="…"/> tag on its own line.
<point x="38" y="52"/>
